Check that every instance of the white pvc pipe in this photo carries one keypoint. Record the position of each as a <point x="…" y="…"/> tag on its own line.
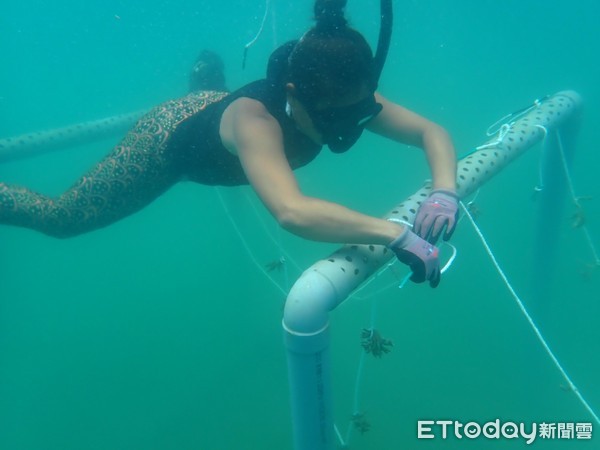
<point x="31" y="144"/>
<point x="328" y="282"/>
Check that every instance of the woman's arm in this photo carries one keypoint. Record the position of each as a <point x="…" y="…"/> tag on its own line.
<point x="249" y="131"/>
<point x="398" y="123"/>
<point x="438" y="214"/>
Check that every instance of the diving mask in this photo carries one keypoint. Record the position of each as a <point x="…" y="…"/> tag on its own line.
<point x="341" y="126"/>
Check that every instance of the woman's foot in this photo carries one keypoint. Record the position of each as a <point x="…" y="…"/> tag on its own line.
<point x="208" y="73"/>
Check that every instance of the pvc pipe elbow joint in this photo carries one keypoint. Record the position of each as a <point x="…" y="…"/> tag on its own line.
<point x="308" y="304"/>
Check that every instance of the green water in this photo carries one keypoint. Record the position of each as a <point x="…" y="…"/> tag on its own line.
<point x="161" y="333"/>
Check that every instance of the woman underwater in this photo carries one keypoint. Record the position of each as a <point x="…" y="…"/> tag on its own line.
<point x="320" y="90"/>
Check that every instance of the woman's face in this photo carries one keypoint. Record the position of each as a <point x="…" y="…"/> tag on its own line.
<point x="336" y="123"/>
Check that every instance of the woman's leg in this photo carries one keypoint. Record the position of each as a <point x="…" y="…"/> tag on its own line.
<point x="136" y="172"/>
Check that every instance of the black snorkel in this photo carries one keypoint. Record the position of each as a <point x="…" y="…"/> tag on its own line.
<point x="385" y="37"/>
<point x="342" y="127"/>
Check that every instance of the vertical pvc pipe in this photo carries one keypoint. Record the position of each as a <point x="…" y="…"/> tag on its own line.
<point x="328" y="282"/>
<point x="309" y="368"/>
<point x="306" y="336"/>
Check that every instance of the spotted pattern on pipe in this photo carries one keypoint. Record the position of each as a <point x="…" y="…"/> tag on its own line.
<point x="359" y="262"/>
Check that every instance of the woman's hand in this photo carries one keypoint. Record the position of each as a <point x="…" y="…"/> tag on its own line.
<point x="438" y="212"/>
<point x="420" y="255"/>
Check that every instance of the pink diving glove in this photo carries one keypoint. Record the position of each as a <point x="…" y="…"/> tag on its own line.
<point x="439" y="211"/>
<point x="420" y="255"/>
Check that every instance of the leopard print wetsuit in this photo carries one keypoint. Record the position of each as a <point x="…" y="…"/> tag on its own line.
<point x="178" y="139"/>
<point x="139" y="169"/>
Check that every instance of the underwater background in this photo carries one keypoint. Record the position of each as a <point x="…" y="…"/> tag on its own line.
<point x="162" y="332"/>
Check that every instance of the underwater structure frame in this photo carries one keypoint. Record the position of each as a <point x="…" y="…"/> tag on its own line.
<point x="329" y="282"/>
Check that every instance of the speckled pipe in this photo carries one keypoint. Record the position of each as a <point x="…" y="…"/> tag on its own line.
<point x="32" y="144"/>
<point x="327" y="283"/>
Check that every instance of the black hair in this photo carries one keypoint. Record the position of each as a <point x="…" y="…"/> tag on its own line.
<point x="329" y="15"/>
<point x="331" y="60"/>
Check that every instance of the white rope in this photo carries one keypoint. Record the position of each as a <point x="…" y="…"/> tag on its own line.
<point x="262" y="25"/>
<point x="502" y="126"/>
<point x="575" y="198"/>
<point x="246" y="247"/>
<point x="260" y="30"/>
<point x="276" y="241"/>
<point x="504" y="120"/>
<point x="537" y="332"/>
<point x="442" y="271"/>
<point x="339" y="436"/>
<point x="502" y="132"/>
